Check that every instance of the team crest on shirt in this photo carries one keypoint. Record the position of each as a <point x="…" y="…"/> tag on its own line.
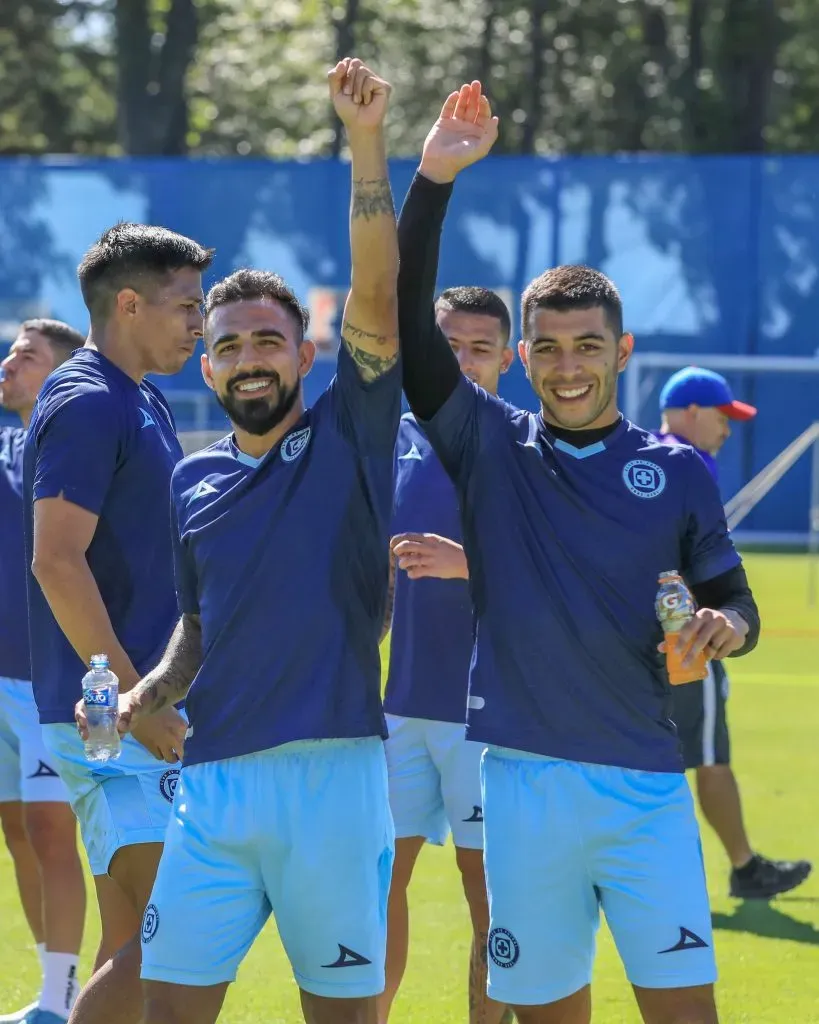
<point x="644" y="479"/>
<point x="294" y="444"/>
<point x="150" y="923"/>
<point x="167" y="784"/>
<point x="503" y="947"/>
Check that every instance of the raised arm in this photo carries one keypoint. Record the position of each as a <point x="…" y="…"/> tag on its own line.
<point x="370" y="325"/>
<point x="462" y="135"/>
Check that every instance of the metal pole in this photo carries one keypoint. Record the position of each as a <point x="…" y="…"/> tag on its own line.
<point x="813" y="537"/>
<point x="631" y="388"/>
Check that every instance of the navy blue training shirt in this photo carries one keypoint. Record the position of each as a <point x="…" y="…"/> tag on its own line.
<point x="285" y="560"/>
<point x="565" y="546"/>
<point x="14" y="654"/>
<point x="432" y="638"/>
<point x="107" y="444"/>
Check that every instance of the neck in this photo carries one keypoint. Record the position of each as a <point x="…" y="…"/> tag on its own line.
<point x="25" y="415"/>
<point x="120" y="351"/>
<point x="258" y="445"/>
<point x="609" y="418"/>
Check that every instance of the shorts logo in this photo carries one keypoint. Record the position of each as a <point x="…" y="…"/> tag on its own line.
<point x="294" y="444"/>
<point x="44" y="771"/>
<point x="168" y="782"/>
<point x="476" y="815"/>
<point x="687" y="940"/>
<point x="503" y="947"/>
<point x="150" y="923"/>
<point x="644" y="479"/>
<point x="348" y="958"/>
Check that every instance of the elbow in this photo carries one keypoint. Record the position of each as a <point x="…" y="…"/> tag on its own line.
<point x="50" y="568"/>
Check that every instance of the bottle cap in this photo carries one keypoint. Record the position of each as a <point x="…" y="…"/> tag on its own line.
<point x="99" y="661"/>
<point x="669" y="574"/>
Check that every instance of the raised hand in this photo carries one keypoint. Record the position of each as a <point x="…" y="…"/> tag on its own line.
<point x="359" y="96"/>
<point x="462" y="135"/>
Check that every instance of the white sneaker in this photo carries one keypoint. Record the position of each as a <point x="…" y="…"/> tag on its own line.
<point x="20" y="1016"/>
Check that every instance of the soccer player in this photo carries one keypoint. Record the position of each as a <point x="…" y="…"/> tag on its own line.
<point x="569" y="516"/>
<point x="434" y="772"/>
<point x="282" y="533"/>
<point x="697" y="408"/>
<point x="97" y="464"/>
<point x="38" y="823"/>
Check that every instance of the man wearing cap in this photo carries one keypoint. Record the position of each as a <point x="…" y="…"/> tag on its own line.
<point x="697" y="407"/>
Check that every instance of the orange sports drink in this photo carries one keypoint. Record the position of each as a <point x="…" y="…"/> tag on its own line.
<point x="674" y="605"/>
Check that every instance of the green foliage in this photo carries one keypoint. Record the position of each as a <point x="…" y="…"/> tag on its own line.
<point x="565" y="76"/>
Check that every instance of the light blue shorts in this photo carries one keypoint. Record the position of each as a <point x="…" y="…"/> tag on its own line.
<point x="563" y="839"/>
<point x="435" y="781"/>
<point x="303" y="831"/>
<point x="27" y="769"/>
<point x="120" y="803"/>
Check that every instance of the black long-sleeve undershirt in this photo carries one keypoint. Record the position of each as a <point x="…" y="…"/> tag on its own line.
<point x="431" y="371"/>
<point x="730" y="590"/>
<point x="430" y="368"/>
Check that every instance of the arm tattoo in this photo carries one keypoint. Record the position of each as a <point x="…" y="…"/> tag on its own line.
<point x="370" y="365"/>
<point x="372" y="198"/>
<point x="170" y="681"/>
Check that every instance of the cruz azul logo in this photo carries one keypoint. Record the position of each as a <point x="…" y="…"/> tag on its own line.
<point x="294" y="444"/>
<point x="644" y="479"/>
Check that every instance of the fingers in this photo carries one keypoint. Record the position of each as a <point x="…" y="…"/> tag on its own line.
<point x="81" y="720"/>
<point x="448" y="109"/>
<point x="399" y="538"/>
<point x="462" y="104"/>
<point x="336" y="76"/>
<point x="355" y="80"/>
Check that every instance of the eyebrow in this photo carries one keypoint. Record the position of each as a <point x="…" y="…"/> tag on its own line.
<point x="585" y="336"/>
<point x="264" y="332"/>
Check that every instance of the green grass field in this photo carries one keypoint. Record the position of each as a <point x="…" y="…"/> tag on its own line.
<point x="768" y="953"/>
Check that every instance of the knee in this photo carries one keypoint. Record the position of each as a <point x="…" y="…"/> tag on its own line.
<point x="13" y="825"/>
<point x="406" y="854"/>
<point x="470" y="865"/>
<point x="157" y="1011"/>
<point x="52" y="830"/>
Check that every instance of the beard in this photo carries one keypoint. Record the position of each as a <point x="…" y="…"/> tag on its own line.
<point x="259" y="416"/>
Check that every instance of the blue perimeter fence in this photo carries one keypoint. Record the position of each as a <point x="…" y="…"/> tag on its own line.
<point x="713" y="255"/>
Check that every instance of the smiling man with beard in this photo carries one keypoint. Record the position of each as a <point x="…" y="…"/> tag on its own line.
<point x="281" y="554"/>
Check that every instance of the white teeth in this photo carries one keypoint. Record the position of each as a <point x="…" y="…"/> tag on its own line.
<point x="253" y="385"/>
<point x="572" y="392"/>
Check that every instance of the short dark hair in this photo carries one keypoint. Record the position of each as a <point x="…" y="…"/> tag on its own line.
<point x="573" y="287"/>
<point x="62" y="339"/>
<point x="127" y="255"/>
<point x="472" y="299"/>
<point x="252" y="285"/>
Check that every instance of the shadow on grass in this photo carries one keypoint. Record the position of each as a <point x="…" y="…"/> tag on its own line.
<point x="764" y="919"/>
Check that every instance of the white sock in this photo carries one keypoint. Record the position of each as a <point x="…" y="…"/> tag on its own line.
<point x="41" y="952"/>
<point x="61" y="986"/>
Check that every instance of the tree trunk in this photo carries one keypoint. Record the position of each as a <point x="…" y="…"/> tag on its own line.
<point x="152" y="101"/>
<point x="537" y="73"/>
<point x="748" y="44"/>
<point x="345" y="44"/>
<point x="695" y="113"/>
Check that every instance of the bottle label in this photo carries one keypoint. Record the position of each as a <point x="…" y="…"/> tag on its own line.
<point x="103" y="697"/>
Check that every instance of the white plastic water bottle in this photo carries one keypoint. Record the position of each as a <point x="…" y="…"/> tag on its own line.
<point x="100" y="694"/>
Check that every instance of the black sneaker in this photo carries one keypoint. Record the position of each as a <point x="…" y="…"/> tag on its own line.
<point x="762" y="879"/>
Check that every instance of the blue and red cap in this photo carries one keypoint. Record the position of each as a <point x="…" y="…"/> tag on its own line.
<point x="695" y="386"/>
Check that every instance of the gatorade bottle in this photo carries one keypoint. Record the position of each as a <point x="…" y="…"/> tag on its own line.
<point x="675" y="606"/>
